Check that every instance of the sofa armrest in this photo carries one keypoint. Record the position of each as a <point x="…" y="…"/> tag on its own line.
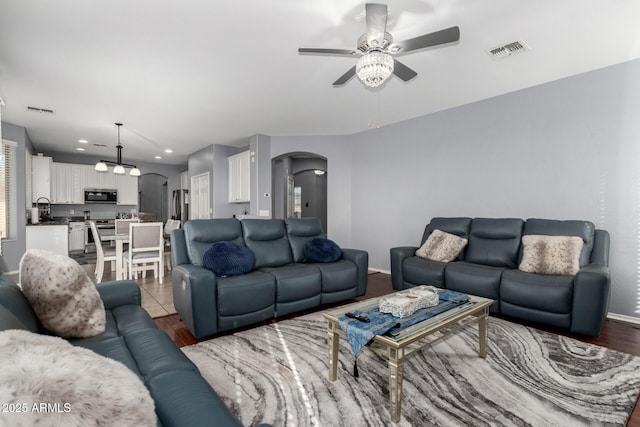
<point x="590" y="300"/>
<point x="119" y="292"/>
<point x="361" y="260"/>
<point x="194" y="297"/>
<point x="398" y="254"/>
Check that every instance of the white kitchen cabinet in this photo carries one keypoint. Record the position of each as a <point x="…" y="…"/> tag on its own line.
<point x="67" y="184"/>
<point x="239" y="178"/>
<point x="40" y="177"/>
<point x="76" y="236"/>
<point x="127" y="187"/>
<point x="184" y="180"/>
<point x="49" y="237"/>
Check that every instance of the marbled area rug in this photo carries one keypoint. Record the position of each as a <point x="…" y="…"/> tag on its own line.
<point x="279" y="374"/>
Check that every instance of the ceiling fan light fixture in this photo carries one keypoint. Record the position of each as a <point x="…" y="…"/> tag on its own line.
<point x="118" y="168"/>
<point x="374" y="68"/>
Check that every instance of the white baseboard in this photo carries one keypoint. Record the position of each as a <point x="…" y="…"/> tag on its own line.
<point x="377" y="270"/>
<point x="624" y="318"/>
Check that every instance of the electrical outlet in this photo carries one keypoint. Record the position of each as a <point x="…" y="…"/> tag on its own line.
<point x="71" y="212"/>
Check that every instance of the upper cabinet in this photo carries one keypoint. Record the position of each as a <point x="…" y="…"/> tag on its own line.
<point x="239" y="178"/>
<point x="67" y="183"/>
<point x="40" y="177"/>
<point x="127" y="187"/>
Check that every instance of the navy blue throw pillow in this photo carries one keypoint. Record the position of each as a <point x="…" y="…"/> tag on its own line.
<point x="322" y="250"/>
<point x="228" y="259"/>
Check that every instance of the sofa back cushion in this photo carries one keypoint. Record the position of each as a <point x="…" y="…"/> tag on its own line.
<point x="551" y="227"/>
<point x="299" y="232"/>
<point x="494" y="242"/>
<point x="200" y="234"/>
<point x="12" y="298"/>
<point x="267" y="239"/>
<point x="458" y="226"/>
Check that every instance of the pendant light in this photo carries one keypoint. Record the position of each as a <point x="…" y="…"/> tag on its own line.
<point x="118" y="168"/>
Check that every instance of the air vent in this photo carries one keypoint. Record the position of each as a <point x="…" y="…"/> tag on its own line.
<point x="99" y="145"/>
<point x="40" y="110"/>
<point x="508" y="49"/>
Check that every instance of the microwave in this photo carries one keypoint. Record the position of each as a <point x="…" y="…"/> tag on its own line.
<point x="92" y="195"/>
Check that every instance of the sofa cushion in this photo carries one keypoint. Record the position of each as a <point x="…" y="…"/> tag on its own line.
<point x="298" y="287"/>
<point x="320" y="249"/>
<point x="555" y="255"/>
<point x="548" y="227"/>
<point x="246" y="293"/>
<point x="200" y="234"/>
<point x="441" y="246"/>
<point x="475" y="279"/>
<point x="420" y="271"/>
<point x="12" y="298"/>
<point x="228" y="259"/>
<point x="63" y="297"/>
<point x="267" y="239"/>
<point x="539" y="292"/>
<point x="299" y="232"/>
<point x="494" y="241"/>
<point x="90" y="389"/>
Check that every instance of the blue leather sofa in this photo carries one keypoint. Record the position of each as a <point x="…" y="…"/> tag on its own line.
<point x="182" y="397"/>
<point x="281" y="282"/>
<point x="488" y="267"/>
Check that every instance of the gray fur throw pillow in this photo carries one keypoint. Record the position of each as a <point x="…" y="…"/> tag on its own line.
<point x="63" y="297"/>
<point x="553" y="255"/>
<point x="441" y="246"/>
<point x="46" y="381"/>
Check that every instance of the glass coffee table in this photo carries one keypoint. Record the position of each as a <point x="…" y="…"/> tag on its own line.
<point x="409" y="340"/>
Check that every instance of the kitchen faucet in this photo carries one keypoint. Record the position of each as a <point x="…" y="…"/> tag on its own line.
<point x="48" y="210"/>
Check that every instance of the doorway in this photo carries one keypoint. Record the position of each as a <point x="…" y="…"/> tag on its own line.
<point x="153" y="197"/>
<point x="299" y="186"/>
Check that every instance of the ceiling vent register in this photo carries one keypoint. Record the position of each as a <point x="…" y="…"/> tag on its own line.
<point x="40" y="110"/>
<point x="507" y="50"/>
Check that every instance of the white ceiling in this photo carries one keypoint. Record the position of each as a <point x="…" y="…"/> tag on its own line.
<point x="187" y="74"/>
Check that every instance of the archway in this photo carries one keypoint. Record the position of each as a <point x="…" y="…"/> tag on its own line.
<point x="153" y="197"/>
<point x="299" y="186"/>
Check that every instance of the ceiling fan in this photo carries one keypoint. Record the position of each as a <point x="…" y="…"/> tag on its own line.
<point x="376" y="48"/>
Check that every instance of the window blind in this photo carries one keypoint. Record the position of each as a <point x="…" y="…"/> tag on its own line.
<point x="8" y="193"/>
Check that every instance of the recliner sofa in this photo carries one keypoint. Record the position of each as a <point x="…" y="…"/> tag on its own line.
<point x="488" y="267"/>
<point x="181" y="395"/>
<point x="281" y="282"/>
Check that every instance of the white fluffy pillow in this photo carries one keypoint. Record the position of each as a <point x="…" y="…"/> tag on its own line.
<point x="441" y="246"/>
<point x="46" y="381"/>
<point x="554" y="255"/>
<point x="63" y="297"/>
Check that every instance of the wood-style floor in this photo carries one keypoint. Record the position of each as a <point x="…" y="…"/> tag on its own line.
<point x="616" y="335"/>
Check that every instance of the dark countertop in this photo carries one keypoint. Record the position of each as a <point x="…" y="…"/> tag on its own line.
<point x="48" y="223"/>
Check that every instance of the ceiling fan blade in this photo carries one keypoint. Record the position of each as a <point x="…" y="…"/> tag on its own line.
<point x="405" y="73"/>
<point x="376" y="23"/>
<point x="448" y="35"/>
<point x="345" y="77"/>
<point x="340" y="52"/>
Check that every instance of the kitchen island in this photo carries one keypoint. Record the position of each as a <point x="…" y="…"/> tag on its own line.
<point x="52" y="236"/>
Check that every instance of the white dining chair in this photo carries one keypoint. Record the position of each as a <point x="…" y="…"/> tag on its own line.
<point x="146" y="250"/>
<point x="122" y="225"/>
<point x="102" y="254"/>
<point x="169" y="226"/>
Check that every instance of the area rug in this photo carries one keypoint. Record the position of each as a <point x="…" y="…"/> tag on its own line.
<point x="278" y="374"/>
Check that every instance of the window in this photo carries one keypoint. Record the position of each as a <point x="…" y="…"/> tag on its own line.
<point x="8" y="201"/>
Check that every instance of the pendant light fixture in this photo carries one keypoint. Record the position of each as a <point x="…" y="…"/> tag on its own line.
<point x="118" y="166"/>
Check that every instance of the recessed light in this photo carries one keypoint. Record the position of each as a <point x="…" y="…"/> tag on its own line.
<point x="157" y="157"/>
<point x="80" y="149"/>
<point x="83" y="141"/>
<point x="168" y="150"/>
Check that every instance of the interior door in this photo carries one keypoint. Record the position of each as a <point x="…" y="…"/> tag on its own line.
<point x="199" y="197"/>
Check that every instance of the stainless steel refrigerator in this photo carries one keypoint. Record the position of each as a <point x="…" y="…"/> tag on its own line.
<point x="180" y="206"/>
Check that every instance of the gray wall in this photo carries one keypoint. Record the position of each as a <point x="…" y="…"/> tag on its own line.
<point x="13" y="249"/>
<point x="567" y="150"/>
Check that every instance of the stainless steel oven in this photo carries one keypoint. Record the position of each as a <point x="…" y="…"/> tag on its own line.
<point x="103" y="225"/>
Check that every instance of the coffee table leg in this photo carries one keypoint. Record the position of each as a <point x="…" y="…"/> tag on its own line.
<point x="333" y="341"/>
<point x="483" y="325"/>
<point x="396" y="374"/>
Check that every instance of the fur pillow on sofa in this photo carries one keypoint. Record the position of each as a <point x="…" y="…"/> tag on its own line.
<point x="441" y="246"/>
<point x="553" y="255"/>
<point x="63" y="297"/>
<point x="69" y="385"/>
